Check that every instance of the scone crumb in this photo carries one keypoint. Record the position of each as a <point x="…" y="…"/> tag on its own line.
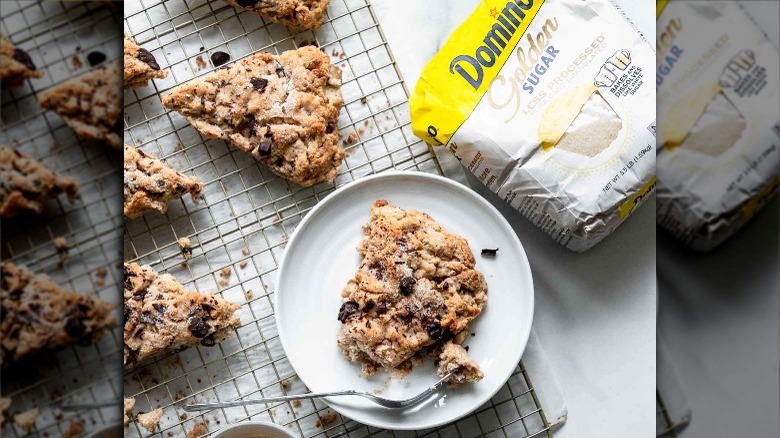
<point x="186" y="247"/>
<point x="248" y="294"/>
<point x="224" y="273"/>
<point x="151" y="420"/>
<point x="243" y="264"/>
<point x="201" y="63"/>
<point x="296" y="403"/>
<point x="326" y="419"/>
<point x="351" y="139"/>
<point x="26" y="419"/>
<point x="62" y="247"/>
<point x="285" y="384"/>
<point x="198" y="429"/>
<point x="75" y="429"/>
<point x="245" y="252"/>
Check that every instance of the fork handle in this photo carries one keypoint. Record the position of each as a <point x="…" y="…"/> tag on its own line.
<point x="207" y="406"/>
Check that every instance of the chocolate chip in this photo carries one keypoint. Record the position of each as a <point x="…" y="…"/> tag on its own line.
<point x="259" y="84"/>
<point x="208" y="308"/>
<point x="445" y="285"/>
<point x="95" y="58"/>
<point x="381" y="307"/>
<point x="347" y="309"/>
<point x="265" y="148"/>
<point x="489" y="252"/>
<point x="159" y="307"/>
<point x="219" y="58"/>
<point x="369" y="305"/>
<point x="329" y="129"/>
<point x="268" y="133"/>
<point x="279" y="162"/>
<point x="23" y="57"/>
<point x="406" y="285"/>
<point x="146" y="57"/>
<point x="75" y="327"/>
<point x="247" y="3"/>
<point x="434" y="331"/>
<point x="198" y="327"/>
<point x="280" y="70"/>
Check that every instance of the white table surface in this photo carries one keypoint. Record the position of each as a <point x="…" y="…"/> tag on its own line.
<point x="595" y="312"/>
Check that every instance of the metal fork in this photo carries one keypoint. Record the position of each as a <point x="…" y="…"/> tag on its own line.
<point x="384" y="402"/>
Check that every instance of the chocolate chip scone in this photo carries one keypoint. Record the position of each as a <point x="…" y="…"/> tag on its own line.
<point x="282" y="109"/>
<point x="139" y="65"/>
<point x="37" y="315"/>
<point x="295" y="13"/>
<point x="416" y="287"/>
<point x="149" y="184"/>
<point x="91" y="104"/>
<point x="26" y="184"/>
<point x="161" y="315"/>
<point x="15" y="64"/>
<point x="129" y="403"/>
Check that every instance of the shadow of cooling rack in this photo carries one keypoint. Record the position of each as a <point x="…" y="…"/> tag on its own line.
<point x="248" y="214"/>
<point x="58" y="36"/>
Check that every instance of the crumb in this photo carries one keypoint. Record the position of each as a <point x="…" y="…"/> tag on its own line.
<point x="365" y="123"/>
<point x="342" y="56"/>
<point x="26" y="419"/>
<point x="296" y="403"/>
<point x="248" y="294"/>
<point x="285" y="384"/>
<point x="361" y="130"/>
<point x="245" y="252"/>
<point x="272" y="411"/>
<point x="75" y="429"/>
<point x="243" y="264"/>
<point x="326" y="419"/>
<point x="351" y="139"/>
<point x="62" y="248"/>
<point x="150" y="421"/>
<point x="183" y="417"/>
<point x="179" y="395"/>
<point x="201" y="63"/>
<point x="308" y="43"/>
<point x="77" y="64"/>
<point x="198" y="429"/>
<point x="334" y="53"/>
<point x="186" y="247"/>
<point x="178" y="148"/>
<point x="100" y="276"/>
<point x="364" y="100"/>
<point x="224" y="273"/>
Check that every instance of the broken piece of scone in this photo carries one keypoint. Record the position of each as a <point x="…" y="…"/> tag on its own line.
<point x="91" y="104"/>
<point x="295" y="13"/>
<point x="161" y="315"/>
<point x="283" y="110"/>
<point x="417" y="288"/>
<point x="15" y="64"/>
<point x="139" y="65"/>
<point x="149" y="184"/>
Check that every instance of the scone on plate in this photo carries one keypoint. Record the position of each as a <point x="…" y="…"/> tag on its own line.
<point x="295" y="13"/>
<point x="416" y="288"/>
<point x="26" y="184"/>
<point x="139" y="65"/>
<point x="38" y="315"/>
<point x="149" y="184"/>
<point x="161" y="315"/>
<point x="91" y="104"/>
<point x="281" y="109"/>
<point x="15" y="64"/>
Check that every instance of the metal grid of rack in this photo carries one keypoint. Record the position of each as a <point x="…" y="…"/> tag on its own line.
<point x="59" y="36"/>
<point x="665" y="425"/>
<point x="248" y="214"/>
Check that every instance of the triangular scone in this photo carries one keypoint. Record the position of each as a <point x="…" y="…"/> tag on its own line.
<point x="149" y="184"/>
<point x="294" y="13"/>
<point x="38" y="315"/>
<point x="91" y="104"/>
<point x="161" y="315"/>
<point x="139" y="65"/>
<point x="15" y="64"/>
<point x="282" y="109"/>
<point x="416" y="287"/>
<point x="129" y="403"/>
<point x="26" y="183"/>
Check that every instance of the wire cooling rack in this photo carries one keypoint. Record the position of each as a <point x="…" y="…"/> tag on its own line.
<point x="665" y="425"/>
<point x="59" y="36"/>
<point x="248" y="214"/>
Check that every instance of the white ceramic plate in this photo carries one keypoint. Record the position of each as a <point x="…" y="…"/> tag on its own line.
<point x="321" y="257"/>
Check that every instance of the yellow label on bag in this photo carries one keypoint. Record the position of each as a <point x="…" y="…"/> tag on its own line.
<point x="637" y="199"/>
<point x="455" y="81"/>
<point x="659" y="7"/>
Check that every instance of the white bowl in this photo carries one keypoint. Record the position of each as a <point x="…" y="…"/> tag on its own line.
<point x="254" y="429"/>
